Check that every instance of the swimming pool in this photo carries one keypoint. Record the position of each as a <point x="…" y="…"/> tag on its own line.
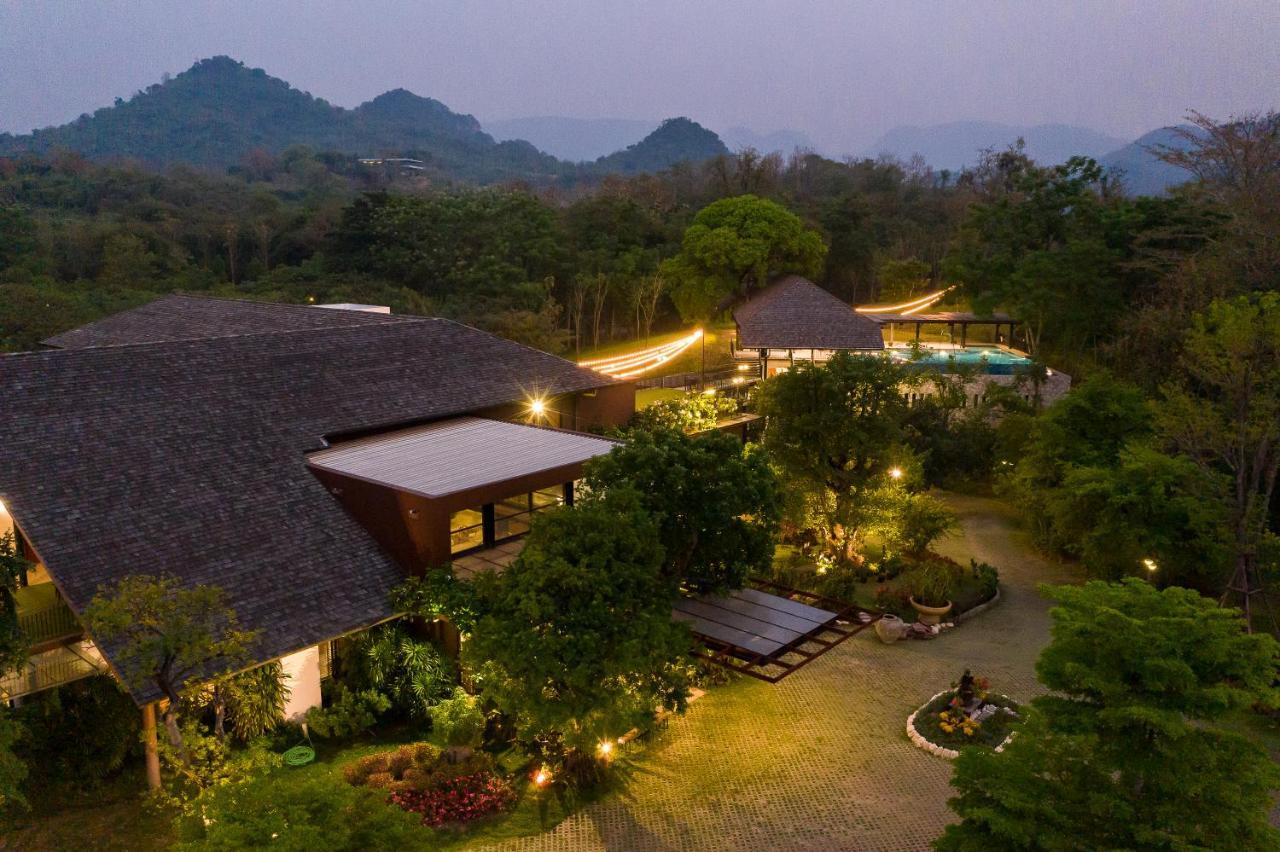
<point x="991" y="360"/>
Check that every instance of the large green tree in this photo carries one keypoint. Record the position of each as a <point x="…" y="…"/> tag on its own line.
<point x="576" y="639"/>
<point x="1223" y="410"/>
<point x="163" y="634"/>
<point x="715" y="502"/>
<point x="1127" y="752"/>
<point x="836" y="430"/>
<point x="735" y="244"/>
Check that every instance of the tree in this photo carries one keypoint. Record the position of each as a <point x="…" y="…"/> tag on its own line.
<point x="164" y="634"/>
<point x="1223" y="410"/>
<point x="13" y="772"/>
<point x="716" y="505"/>
<point x="837" y="427"/>
<point x="255" y="700"/>
<point x="1126" y="753"/>
<point x="13" y="642"/>
<point x="576" y="640"/>
<point x="735" y="244"/>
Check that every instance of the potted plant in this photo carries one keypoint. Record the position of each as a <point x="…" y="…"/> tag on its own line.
<point x="930" y="586"/>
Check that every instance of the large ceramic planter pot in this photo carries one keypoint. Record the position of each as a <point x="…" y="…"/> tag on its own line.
<point x="889" y="628"/>
<point x="929" y="614"/>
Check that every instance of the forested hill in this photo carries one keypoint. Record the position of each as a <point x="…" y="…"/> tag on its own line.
<point x="676" y="140"/>
<point x="219" y="111"/>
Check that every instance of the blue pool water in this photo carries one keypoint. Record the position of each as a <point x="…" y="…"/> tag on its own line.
<point x="990" y="359"/>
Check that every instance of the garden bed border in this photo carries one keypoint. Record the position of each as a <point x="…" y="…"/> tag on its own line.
<point x="920" y="741"/>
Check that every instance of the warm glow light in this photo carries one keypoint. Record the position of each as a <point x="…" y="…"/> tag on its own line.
<point x="543" y="778"/>
<point x="895" y="472"/>
<point x="1150" y="564"/>
<point x="709" y="392"/>
<point x="3" y="510"/>
<point x="906" y="308"/>
<point x="737" y="380"/>
<point x="606" y="748"/>
<point x="636" y="363"/>
<point x="742" y="368"/>
<point x="537" y="407"/>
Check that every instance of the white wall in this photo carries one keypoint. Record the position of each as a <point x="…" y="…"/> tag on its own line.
<point x="302" y="671"/>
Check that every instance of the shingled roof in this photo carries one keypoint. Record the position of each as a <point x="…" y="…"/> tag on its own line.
<point x="184" y="317"/>
<point x="795" y="313"/>
<point x="188" y="458"/>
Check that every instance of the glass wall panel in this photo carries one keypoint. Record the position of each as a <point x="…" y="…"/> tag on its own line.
<point x="466" y="530"/>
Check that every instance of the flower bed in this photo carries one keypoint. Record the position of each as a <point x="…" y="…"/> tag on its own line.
<point x="458" y="800"/>
<point x="423" y="780"/>
<point x="941" y="728"/>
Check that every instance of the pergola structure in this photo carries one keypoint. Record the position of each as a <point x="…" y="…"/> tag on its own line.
<point x="769" y="631"/>
<point x="951" y="319"/>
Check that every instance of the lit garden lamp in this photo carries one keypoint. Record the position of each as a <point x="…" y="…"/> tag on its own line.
<point x="605" y="749"/>
<point x="895" y="473"/>
<point x="542" y="778"/>
<point x="1150" y="565"/>
<point x="537" y="408"/>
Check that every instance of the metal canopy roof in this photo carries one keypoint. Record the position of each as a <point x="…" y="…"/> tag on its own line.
<point x="459" y="454"/>
<point x="768" y="636"/>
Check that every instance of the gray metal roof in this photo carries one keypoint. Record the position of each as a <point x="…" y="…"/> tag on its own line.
<point x="458" y="454"/>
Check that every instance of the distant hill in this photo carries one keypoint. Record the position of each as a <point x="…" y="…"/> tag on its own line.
<point x="676" y="140"/>
<point x="219" y="110"/>
<point x="782" y="141"/>
<point x="959" y="144"/>
<point x="1142" y="172"/>
<point x="574" y="139"/>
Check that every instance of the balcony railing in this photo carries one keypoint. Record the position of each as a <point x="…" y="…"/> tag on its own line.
<point x="44" y="616"/>
<point x="51" y="668"/>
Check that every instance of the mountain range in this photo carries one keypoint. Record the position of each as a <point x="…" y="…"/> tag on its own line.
<point x="587" y="139"/>
<point x="218" y="111"/>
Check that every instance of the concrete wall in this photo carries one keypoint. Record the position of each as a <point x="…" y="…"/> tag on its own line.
<point x="302" y="673"/>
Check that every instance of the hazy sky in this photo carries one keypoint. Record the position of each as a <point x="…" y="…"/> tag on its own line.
<point x="843" y="72"/>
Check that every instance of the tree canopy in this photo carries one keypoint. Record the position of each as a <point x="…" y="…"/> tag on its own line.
<point x="735" y="244"/>
<point x="716" y="504"/>
<point x="576" y="639"/>
<point x="1126" y="754"/>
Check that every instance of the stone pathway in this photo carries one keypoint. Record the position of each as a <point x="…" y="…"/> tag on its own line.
<point x="820" y="761"/>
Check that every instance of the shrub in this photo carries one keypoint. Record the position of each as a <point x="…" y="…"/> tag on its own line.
<point x="256" y="700"/>
<point x="932" y="583"/>
<point x="350" y="714"/>
<point x="922" y="520"/>
<point x="411" y="672"/>
<point x="306" y="813"/>
<point x="79" y="733"/>
<point x="459" y="719"/>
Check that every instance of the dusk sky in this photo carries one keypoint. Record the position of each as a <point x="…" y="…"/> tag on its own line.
<point x="843" y="72"/>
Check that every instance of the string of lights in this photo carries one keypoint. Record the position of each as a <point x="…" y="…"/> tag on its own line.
<point x="906" y="308"/>
<point x="632" y="364"/>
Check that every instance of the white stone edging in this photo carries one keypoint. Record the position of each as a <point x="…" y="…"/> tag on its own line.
<point x="920" y="741"/>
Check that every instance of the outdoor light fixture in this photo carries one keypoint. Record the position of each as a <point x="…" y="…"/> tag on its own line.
<point x="537" y="407"/>
<point x="606" y="749"/>
<point x="543" y="778"/>
<point x="895" y="472"/>
<point x="1149" y="564"/>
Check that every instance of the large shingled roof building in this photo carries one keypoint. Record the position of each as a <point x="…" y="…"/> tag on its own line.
<point x="253" y="447"/>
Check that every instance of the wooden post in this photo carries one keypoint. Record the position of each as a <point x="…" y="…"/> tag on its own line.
<point x="151" y="745"/>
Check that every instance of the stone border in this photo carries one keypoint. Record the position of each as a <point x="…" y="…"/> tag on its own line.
<point x="979" y="609"/>
<point x="920" y="741"/>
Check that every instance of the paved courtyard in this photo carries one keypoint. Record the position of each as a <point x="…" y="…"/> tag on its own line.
<point x="821" y="760"/>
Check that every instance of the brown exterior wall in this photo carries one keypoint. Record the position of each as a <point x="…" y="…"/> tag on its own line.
<point x="413" y="529"/>
<point x="602" y="408"/>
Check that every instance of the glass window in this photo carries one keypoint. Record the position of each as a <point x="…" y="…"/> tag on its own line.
<point x="466" y="530"/>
